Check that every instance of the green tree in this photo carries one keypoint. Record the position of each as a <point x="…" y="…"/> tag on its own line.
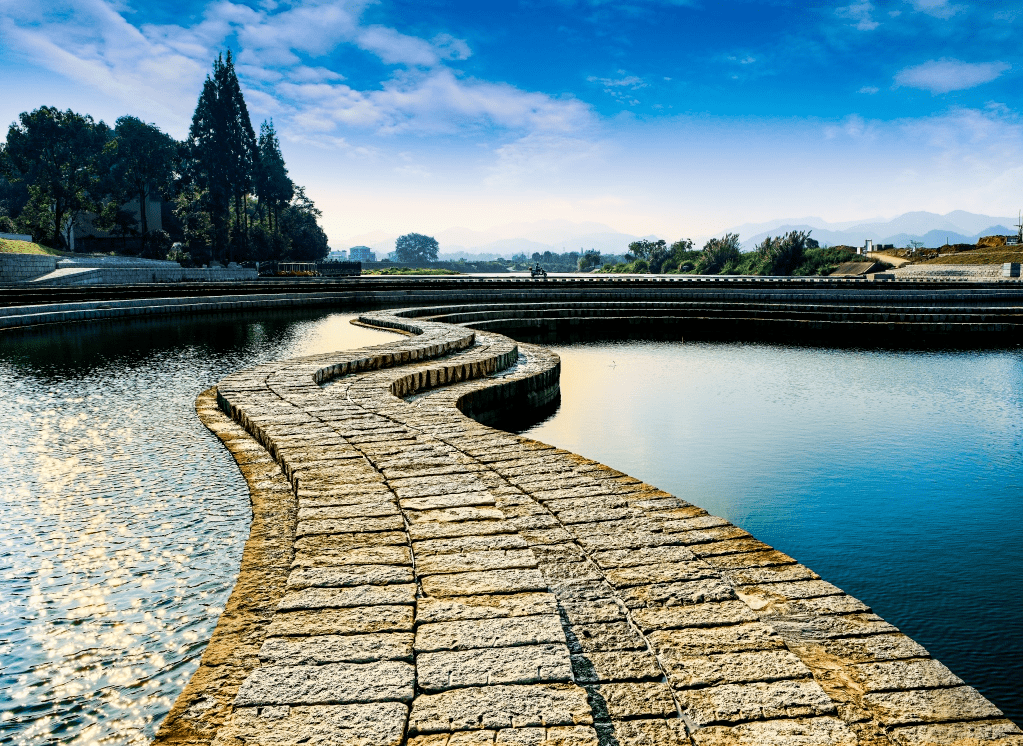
<point x="783" y="254"/>
<point x="644" y="249"/>
<point x="307" y="241"/>
<point x="274" y="189"/>
<point x="416" y="248"/>
<point x="143" y="164"/>
<point x="589" y="260"/>
<point x="59" y="155"/>
<point x="717" y="253"/>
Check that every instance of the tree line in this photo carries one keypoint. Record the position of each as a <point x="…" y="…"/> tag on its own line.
<point x="227" y="193"/>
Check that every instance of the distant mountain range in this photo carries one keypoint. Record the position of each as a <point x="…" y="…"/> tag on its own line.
<point x="928" y="228"/>
<point x="559" y="236"/>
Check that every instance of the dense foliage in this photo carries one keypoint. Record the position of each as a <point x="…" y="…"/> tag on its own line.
<point x="230" y="195"/>
<point x="415" y="248"/>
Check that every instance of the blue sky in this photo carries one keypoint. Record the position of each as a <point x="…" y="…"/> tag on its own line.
<point x="673" y="117"/>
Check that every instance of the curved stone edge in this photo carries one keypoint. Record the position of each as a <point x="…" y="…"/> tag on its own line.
<point x="206" y="701"/>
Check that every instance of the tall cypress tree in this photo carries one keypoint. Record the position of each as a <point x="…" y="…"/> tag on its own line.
<point x="274" y="188"/>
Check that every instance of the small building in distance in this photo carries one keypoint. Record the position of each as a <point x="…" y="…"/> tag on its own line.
<point x="338" y="255"/>
<point x="362" y="254"/>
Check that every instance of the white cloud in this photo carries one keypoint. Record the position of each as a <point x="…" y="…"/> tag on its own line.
<point x="944" y="75"/>
<point x="937" y="8"/>
<point x="870" y="90"/>
<point x="541" y="156"/>
<point x="860" y="14"/>
<point x="628" y="81"/>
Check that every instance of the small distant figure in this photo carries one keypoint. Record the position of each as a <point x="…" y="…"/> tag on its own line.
<point x="538" y="271"/>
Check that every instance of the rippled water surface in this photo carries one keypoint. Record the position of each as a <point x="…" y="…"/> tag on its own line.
<point x="898" y="476"/>
<point x="122" y="518"/>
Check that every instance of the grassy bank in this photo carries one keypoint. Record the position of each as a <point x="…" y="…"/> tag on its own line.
<point x="985" y="255"/>
<point x="409" y="271"/>
<point x="8" y="246"/>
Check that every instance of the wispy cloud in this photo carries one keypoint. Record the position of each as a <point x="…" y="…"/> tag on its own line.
<point x="937" y="8"/>
<point x="945" y="75"/>
<point x="870" y="90"/>
<point x="859" y="14"/>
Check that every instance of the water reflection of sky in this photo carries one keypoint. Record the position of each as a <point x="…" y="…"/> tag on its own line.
<point x="896" y="475"/>
<point x="122" y="519"/>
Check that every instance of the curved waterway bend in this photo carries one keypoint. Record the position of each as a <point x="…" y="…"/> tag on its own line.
<point x="122" y="519"/>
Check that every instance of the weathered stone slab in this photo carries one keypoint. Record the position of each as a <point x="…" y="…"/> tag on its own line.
<point x="736" y="703"/>
<point x="667" y="572"/>
<point x="592" y="612"/>
<point x="670" y="644"/>
<point x="341" y="544"/>
<point x="332" y="683"/>
<point x="375" y="509"/>
<point x="823" y="627"/>
<point x="929" y="706"/>
<point x="454" y="515"/>
<point x="630" y="700"/>
<point x="899" y="675"/>
<point x="360" y="595"/>
<point x="337" y="648"/>
<point x="650" y="556"/>
<point x="349" y="525"/>
<point x="986" y="733"/>
<point x="500" y="707"/>
<point x="734" y="668"/>
<point x="695" y="615"/>
<point x="479" y="583"/>
<point x="804" y="607"/>
<point x="377" y="724"/>
<point x="489" y="633"/>
<point x="560" y="735"/>
<point x="861" y="649"/>
<point x="448" y="530"/>
<point x="655" y="732"/>
<point x="768" y="574"/>
<point x="743" y="560"/>
<point x="820" y="731"/>
<point x="530" y="664"/>
<point x="560" y="571"/>
<point x="795" y="590"/>
<point x="677" y="594"/>
<point x="461" y="608"/>
<point x="349" y="575"/>
<point x="352" y="621"/>
<point x="498" y="559"/>
<point x="620" y="665"/>
<point x="454" y="500"/>
<point x="561" y="553"/>
<point x="431" y="547"/>
<point x="586" y="638"/>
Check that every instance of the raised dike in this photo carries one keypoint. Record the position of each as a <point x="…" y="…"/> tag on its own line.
<point x="416" y="577"/>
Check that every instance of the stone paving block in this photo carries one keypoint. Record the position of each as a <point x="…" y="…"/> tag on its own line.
<point x="667" y="572"/>
<point x="730" y="546"/>
<point x="734" y="668"/>
<point x="620" y="665"/>
<point x="559" y="571"/>
<point x="861" y="649"/>
<point x="503" y="706"/>
<point x="448" y="530"/>
<point x="342" y="544"/>
<point x="599" y="542"/>
<point x="652" y="732"/>
<point x="461" y="608"/>
<point x="795" y="590"/>
<point x="695" y="615"/>
<point x="592" y="612"/>
<point x="352" y="621"/>
<point x="375" y="509"/>
<point x="651" y="556"/>
<point x="677" y="594"/>
<point x="592" y="515"/>
<point x="679" y="520"/>
<point x="349" y="525"/>
<point x="349" y="575"/>
<point x="489" y="633"/>
<point x="360" y="595"/>
<point x="467" y="544"/>
<point x="668" y="644"/>
<point x="819" y="731"/>
<point x="901" y="675"/>
<point x="617" y="701"/>
<point x="985" y="733"/>
<point x="376" y="724"/>
<point x="554" y="535"/>
<point x="560" y="735"/>
<point x="745" y="560"/>
<point x="337" y="648"/>
<point x="478" y="583"/>
<point x="929" y="706"/>
<point x="604" y="502"/>
<point x="456" y="500"/>
<point x="529" y="664"/>
<point x="768" y="574"/>
<point x="823" y="627"/>
<point x="562" y="552"/>
<point x="329" y="684"/>
<point x="730" y="704"/>
<point x="498" y="559"/>
<point x="389" y="555"/>
<point x="585" y="638"/>
<point x="803" y="607"/>
<point x="533" y="522"/>
<point x="454" y="515"/>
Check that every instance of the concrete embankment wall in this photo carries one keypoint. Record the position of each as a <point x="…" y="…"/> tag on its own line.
<point x="21" y="267"/>
<point x="449" y="583"/>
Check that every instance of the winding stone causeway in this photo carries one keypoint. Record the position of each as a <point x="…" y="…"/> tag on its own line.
<point x="416" y="577"/>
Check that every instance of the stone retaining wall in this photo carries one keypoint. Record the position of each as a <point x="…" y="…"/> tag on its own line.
<point x="21" y="267"/>
<point x="453" y="584"/>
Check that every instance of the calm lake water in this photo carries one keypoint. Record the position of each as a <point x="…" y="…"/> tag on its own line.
<point x="896" y="475"/>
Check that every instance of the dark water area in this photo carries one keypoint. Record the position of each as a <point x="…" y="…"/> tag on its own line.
<point x="896" y="475"/>
<point x="122" y="519"/>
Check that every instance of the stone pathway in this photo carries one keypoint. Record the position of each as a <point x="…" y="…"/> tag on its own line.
<point x="452" y="584"/>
